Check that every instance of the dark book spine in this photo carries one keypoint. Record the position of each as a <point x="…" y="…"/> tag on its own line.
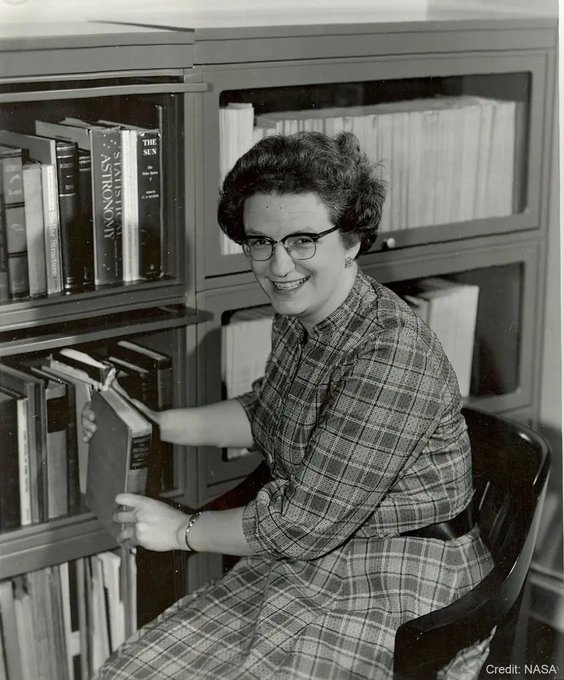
<point x="15" y="239"/>
<point x="107" y="205"/>
<point x="85" y="218"/>
<point x="16" y="249"/>
<point x="71" y="234"/>
<point x="9" y="464"/>
<point x="4" y="285"/>
<point x="149" y="200"/>
<point x="73" y="490"/>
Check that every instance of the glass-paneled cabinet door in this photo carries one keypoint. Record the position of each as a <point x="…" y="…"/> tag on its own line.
<point x="232" y="350"/>
<point x="98" y="222"/>
<point x="458" y="140"/>
<point x="484" y="307"/>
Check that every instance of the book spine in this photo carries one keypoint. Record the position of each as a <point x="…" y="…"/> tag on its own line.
<point x="9" y="454"/>
<point x="138" y="462"/>
<point x="34" y="225"/>
<point x="12" y="200"/>
<point x="4" y="285"/>
<point x="57" y="476"/>
<point x="107" y="205"/>
<point x="12" y="644"/>
<point x="23" y="463"/>
<point x="70" y="232"/>
<point x="73" y="471"/>
<point x="149" y="200"/>
<point x="52" y="232"/>
<point x="86" y="254"/>
<point x="16" y="248"/>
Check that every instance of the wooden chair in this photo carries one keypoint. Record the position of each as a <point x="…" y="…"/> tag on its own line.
<point x="510" y="465"/>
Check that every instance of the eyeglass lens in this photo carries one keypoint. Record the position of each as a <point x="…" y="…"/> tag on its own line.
<point x="298" y="247"/>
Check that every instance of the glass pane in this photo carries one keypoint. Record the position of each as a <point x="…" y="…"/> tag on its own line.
<point x="451" y="149"/>
<point x="103" y="218"/>
<point x="489" y="364"/>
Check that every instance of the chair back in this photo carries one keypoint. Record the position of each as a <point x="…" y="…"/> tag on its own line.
<point x="510" y="465"/>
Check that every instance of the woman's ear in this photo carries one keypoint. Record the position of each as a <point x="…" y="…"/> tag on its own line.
<point x="353" y="250"/>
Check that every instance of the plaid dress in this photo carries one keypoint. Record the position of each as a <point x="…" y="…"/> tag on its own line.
<point x="360" y="423"/>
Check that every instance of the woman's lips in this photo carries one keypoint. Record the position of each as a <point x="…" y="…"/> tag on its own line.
<point x="289" y="285"/>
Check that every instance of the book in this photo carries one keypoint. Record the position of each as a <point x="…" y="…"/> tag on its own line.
<point x="158" y="363"/>
<point x="82" y="395"/>
<point x="10" y="516"/>
<point x="22" y="381"/>
<point x="50" y="200"/>
<point x="450" y="310"/>
<point x="22" y="460"/>
<point x="68" y="610"/>
<point x="99" y="615"/>
<point x="35" y="229"/>
<point x="44" y="150"/>
<point x="56" y="617"/>
<point x="4" y="285"/>
<point x="146" y="375"/>
<point x="43" y="618"/>
<point x="98" y="373"/>
<point x="10" y="631"/>
<point x="118" y="455"/>
<point x="13" y="222"/>
<point x="103" y="143"/>
<point x="66" y="417"/>
<point x="25" y="629"/>
<point x="111" y="564"/>
<point x="142" y="197"/>
<point x="58" y="445"/>
<point x="84" y="665"/>
<point x="246" y="344"/>
<point x="86" y="217"/>
<point x="70" y="226"/>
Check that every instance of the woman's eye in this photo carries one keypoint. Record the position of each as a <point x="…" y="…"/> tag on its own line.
<point x="258" y="243"/>
<point x="302" y="241"/>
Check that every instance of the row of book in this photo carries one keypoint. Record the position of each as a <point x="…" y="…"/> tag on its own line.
<point x="245" y="346"/>
<point x="450" y="309"/>
<point x="444" y="159"/>
<point x="81" y="207"/>
<point x="62" y="622"/>
<point x="46" y="465"/>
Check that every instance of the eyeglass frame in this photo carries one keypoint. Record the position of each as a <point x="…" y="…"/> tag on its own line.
<point x="313" y="236"/>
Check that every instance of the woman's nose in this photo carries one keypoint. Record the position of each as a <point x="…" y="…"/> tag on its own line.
<point x="281" y="263"/>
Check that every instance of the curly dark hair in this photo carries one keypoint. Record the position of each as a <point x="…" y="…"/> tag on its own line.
<point x="334" y="168"/>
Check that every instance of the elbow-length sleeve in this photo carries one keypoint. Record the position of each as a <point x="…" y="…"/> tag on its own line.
<point x="382" y="405"/>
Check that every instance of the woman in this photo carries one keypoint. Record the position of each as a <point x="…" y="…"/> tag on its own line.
<point x="358" y="417"/>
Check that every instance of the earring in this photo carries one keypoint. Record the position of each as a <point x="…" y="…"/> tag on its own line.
<point x="348" y="262"/>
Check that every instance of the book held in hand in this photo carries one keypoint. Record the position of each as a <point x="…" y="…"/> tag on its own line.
<point x="119" y="452"/>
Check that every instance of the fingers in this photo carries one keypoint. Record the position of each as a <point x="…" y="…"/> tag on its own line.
<point x="124" y="517"/>
<point x="88" y="421"/>
<point x="126" y="537"/>
<point x="132" y="500"/>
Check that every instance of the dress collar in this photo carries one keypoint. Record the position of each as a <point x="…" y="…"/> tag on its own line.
<point x="340" y="319"/>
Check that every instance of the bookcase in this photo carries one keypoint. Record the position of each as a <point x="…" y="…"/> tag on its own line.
<point x="93" y="72"/>
<point x="265" y="79"/>
<point x="340" y="70"/>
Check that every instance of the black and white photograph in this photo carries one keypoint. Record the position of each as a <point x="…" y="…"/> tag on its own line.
<point x="281" y="340"/>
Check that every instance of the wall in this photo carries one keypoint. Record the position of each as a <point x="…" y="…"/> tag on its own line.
<point x="15" y="11"/>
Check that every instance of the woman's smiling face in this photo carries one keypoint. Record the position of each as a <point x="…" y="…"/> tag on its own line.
<point x="307" y="289"/>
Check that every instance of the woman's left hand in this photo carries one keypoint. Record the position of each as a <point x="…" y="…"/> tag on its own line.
<point x="150" y="523"/>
